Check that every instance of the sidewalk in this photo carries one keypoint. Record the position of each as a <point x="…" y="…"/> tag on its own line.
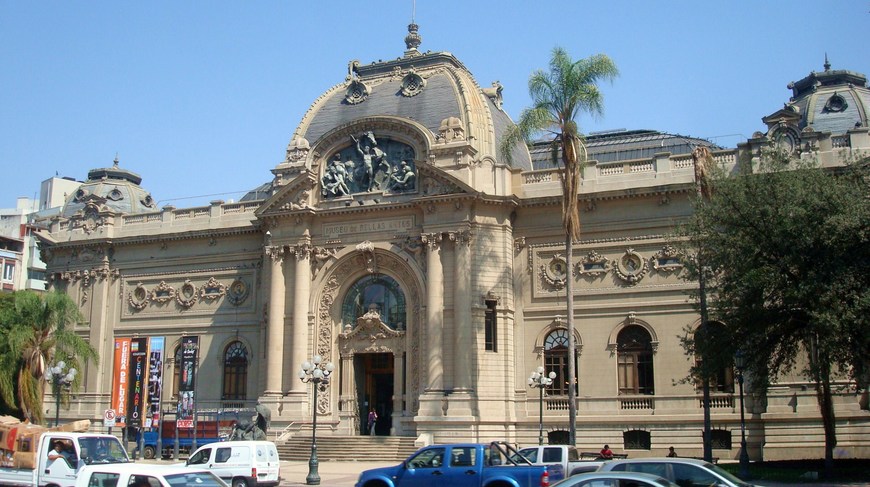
<point x="332" y="473"/>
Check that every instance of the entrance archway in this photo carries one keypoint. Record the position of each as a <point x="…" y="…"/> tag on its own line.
<point x="375" y="390"/>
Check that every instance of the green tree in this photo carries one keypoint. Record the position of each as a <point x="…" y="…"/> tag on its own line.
<point x="39" y="332"/>
<point x="788" y="246"/>
<point x="559" y="97"/>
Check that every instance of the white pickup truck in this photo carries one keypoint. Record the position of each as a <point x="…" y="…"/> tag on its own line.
<point x="571" y="460"/>
<point x="77" y="450"/>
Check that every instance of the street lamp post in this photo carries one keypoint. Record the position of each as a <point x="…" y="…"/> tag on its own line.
<point x="316" y="373"/>
<point x="740" y="364"/>
<point x="540" y="381"/>
<point x="59" y="377"/>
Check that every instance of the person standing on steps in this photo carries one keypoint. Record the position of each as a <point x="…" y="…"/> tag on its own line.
<point x="372" y="421"/>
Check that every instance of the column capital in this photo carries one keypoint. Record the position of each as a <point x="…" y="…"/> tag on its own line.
<point x="275" y="252"/>
<point x="461" y="237"/>
<point x="432" y="241"/>
<point x="301" y="251"/>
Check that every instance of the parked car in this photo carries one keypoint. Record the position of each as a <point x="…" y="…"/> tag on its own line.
<point x="240" y="463"/>
<point x="615" y="479"/>
<point x="138" y="474"/>
<point x="565" y="455"/>
<point x="462" y="465"/>
<point x="687" y="472"/>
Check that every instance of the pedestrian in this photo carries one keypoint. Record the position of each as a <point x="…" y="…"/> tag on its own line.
<point x="373" y="419"/>
<point x="606" y="453"/>
<point x="671" y="452"/>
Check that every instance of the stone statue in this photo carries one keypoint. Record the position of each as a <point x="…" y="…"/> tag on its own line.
<point x="402" y="179"/>
<point x="247" y="430"/>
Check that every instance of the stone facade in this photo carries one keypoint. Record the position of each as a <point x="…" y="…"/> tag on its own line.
<point x="435" y="294"/>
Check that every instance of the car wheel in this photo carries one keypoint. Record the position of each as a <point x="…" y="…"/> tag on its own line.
<point x="240" y="482"/>
<point x="149" y="452"/>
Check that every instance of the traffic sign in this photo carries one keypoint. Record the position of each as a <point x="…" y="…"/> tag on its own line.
<point x="109" y="418"/>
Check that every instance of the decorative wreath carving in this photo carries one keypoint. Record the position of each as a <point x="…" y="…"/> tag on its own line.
<point x="668" y="259"/>
<point x="163" y="293"/>
<point x="631" y="267"/>
<point x="555" y="272"/>
<point x="115" y="195"/>
<point x="594" y="264"/>
<point x="212" y="290"/>
<point x="187" y="295"/>
<point x="138" y="297"/>
<point x="357" y="92"/>
<point x="412" y="83"/>
<point x="238" y="292"/>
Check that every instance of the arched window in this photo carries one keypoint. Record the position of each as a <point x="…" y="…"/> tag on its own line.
<point x="235" y="371"/>
<point x="378" y="293"/>
<point x="723" y="380"/>
<point x="635" y="360"/>
<point x="556" y="360"/>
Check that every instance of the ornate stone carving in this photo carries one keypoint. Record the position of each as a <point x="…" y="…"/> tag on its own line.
<point x="414" y="247"/>
<point x="138" y="297"/>
<point x="162" y="293"/>
<point x="298" y="149"/>
<point x="238" y="292"/>
<point x="555" y="272"/>
<point x="631" y="267"/>
<point x="667" y="260"/>
<point x="593" y="264"/>
<point x="187" y="295"/>
<point x="519" y="244"/>
<point x="320" y="256"/>
<point x="412" y="83"/>
<point x="275" y="252"/>
<point x="357" y="92"/>
<point x="432" y="241"/>
<point x="212" y="290"/>
<point x="368" y="252"/>
<point x="451" y="130"/>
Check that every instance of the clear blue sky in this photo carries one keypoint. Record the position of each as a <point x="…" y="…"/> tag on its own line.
<point x="201" y="97"/>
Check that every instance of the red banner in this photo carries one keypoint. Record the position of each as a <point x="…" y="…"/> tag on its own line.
<point x="120" y="380"/>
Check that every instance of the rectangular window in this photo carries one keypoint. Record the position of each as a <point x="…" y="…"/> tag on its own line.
<point x="490" y="326"/>
<point x="36" y="274"/>
<point x="8" y="271"/>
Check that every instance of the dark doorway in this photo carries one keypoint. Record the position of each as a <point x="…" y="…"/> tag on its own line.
<point x="374" y="375"/>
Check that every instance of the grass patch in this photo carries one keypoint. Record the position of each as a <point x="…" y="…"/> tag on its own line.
<point x="795" y="471"/>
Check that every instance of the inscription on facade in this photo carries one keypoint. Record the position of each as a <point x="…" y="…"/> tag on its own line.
<point x="333" y="230"/>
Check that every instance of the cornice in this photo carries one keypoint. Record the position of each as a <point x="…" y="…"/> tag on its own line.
<point x="157" y="238"/>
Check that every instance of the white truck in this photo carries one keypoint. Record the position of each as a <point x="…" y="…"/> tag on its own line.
<point x="572" y="461"/>
<point x="76" y="450"/>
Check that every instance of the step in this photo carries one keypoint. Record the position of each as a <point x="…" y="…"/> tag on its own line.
<point x="358" y="448"/>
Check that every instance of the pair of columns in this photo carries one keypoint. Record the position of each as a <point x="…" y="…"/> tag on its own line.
<point x="275" y="326"/>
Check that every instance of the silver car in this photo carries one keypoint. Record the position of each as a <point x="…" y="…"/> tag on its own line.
<point x="686" y="472"/>
<point x="615" y="479"/>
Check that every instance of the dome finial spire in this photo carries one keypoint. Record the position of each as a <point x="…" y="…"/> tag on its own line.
<point x="116" y="161"/>
<point x="413" y="39"/>
<point x="827" y="64"/>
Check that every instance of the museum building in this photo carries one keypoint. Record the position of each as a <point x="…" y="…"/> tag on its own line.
<point x="394" y="242"/>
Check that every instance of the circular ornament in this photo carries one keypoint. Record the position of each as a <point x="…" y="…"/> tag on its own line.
<point x="238" y="292"/>
<point x="187" y="295"/>
<point x="138" y="297"/>
<point x="555" y="272"/>
<point x="631" y="267"/>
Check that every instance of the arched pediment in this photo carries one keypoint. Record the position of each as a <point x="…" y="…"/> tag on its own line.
<point x="370" y="334"/>
<point x="631" y="320"/>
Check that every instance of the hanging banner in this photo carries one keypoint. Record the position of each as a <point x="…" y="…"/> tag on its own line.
<point x="186" y="406"/>
<point x="120" y="381"/>
<point x="155" y="381"/>
<point x="138" y="380"/>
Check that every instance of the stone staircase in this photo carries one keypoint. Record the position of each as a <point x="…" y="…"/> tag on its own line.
<point x="351" y="448"/>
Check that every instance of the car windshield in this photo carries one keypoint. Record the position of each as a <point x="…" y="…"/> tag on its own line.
<point x="102" y="449"/>
<point x="204" y="479"/>
<point x="725" y="474"/>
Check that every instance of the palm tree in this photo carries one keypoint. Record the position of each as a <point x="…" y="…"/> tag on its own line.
<point x="39" y="330"/>
<point x="559" y="96"/>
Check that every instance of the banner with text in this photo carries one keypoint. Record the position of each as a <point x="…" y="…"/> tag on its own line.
<point x="120" y="380"/>
<point x="186" y="406"/>
<point x="155" y="381"/>
<point x="138" y="381"/>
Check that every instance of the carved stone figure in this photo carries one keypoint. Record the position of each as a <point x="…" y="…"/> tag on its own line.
<point x="369" y="164"/>
<point x="402" y="179"/>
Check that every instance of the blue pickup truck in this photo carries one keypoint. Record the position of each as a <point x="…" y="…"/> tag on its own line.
<point x="463" y="465"/>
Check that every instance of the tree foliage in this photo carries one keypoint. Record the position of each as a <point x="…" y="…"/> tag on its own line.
<point x="786" y="252"/>
<point x="39" y="332"/>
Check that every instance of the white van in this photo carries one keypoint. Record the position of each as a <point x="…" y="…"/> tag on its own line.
<point x="240" y="463"/>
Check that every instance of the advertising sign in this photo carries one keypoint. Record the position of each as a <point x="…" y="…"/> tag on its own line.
<point x="186" y="386"/>
<point x="120" y="380"/>
<point x="155" y="380"/>
<point x="138" y="381"/>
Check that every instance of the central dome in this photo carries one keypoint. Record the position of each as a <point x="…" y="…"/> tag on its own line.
<point x="434" y="90"/>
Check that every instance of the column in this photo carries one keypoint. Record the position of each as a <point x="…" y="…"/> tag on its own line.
<point x="275" y="325"/>
<point x="398" y="392"/>
<point x="434" y="313"/>
<point x="301" y="295"/>
<point x="463" y="337"/>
